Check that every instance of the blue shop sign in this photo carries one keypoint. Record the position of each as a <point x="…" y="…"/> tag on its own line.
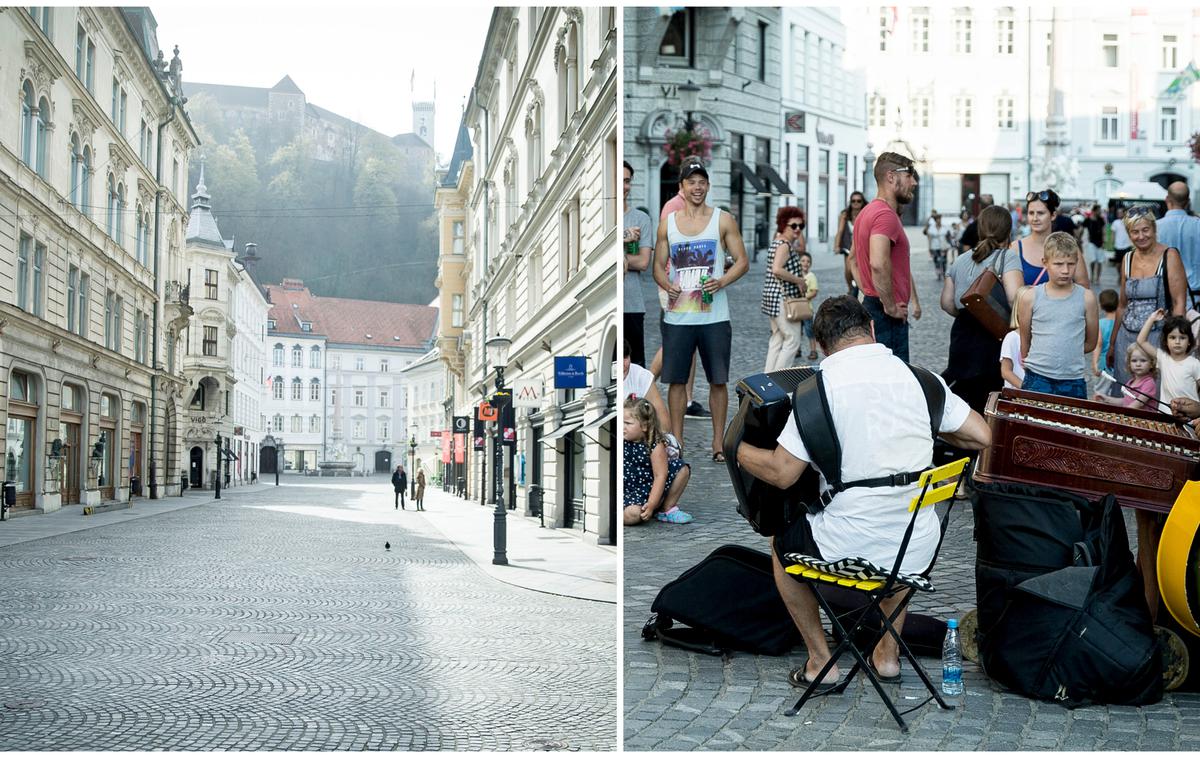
<point x="570" y="372"/>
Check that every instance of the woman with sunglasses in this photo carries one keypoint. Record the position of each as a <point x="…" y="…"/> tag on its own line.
<point x="1040" y="210"/>
<point x="783" y="278"/>
<point x="1151" y="277"/>
<point x="845" y="238"/>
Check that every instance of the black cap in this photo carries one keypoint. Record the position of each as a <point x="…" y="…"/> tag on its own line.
<point x="691" y="165"/>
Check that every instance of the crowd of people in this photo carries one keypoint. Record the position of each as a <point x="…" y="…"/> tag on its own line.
<point x="1019" y="281"/>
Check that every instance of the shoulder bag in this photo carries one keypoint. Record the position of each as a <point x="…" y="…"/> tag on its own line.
<point x="987" y="301"/>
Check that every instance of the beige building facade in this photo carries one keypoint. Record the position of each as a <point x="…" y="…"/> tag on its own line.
<point x="538" y="213"/>
<point x="93" y="141"/>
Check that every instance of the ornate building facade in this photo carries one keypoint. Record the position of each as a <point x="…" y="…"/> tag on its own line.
<point x="539" y="255"/>
<point x="92" y="214"/>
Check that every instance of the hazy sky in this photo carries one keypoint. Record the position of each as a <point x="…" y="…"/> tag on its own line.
<point x="353" y="58"/>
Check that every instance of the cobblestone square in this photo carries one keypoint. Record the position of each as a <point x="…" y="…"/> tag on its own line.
<point x="676" y="700"/>
<point x="275" y="619"/>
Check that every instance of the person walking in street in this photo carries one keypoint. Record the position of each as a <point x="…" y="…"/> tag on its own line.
<point x="970" y="234"/>
<point x="1040" y="212"/>
<point x="1093" y="242"/>
<point x="881" y="253"/>
<point x="1121" y="243"/>
<point x="782" y="270"/>
<point x="639" y="246"/>
<point x="935" y="232"/>
<point x="1151" y="277"/>
<point x="419" y="497"/>
<point x="695" y="241"/>
<point x="845" y="238"/>
<point x="974" y="365"/>
<point x="1181" y="230"/>
<point x="399" y="484"/>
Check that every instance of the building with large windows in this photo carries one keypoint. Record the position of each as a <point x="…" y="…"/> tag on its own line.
<point x="335" y="387"/>
<point x="968" y="92"/>
<point x="538" y="204"/>
<point x="716" y="70"/>
<point x="92" y="132"/>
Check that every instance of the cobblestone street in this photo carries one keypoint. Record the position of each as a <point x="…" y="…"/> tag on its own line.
<point x="274" y="619"/>
<point x="676" y="700"/>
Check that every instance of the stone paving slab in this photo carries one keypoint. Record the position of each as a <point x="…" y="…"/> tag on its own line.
<point x="675" y="700"/>
<point x="276" y="620"/>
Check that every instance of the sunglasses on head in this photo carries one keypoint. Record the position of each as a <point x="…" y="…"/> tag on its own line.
<point x="796" y="225"/>
<point x="1044" y="196"/>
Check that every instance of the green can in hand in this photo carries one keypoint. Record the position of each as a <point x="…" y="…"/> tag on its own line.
<point x="705" y="295"/>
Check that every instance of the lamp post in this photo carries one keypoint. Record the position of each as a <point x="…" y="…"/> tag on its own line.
<point x="412" y="465"/>
<point x="689" y="98"/>
<point x="217" y="481"/>
<point x="497" y="349"/>
<point x="278" y="459"/>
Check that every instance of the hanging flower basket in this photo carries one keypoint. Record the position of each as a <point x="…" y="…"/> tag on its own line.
<point x="683" y="143"/>
<point x="1194" y="146"/>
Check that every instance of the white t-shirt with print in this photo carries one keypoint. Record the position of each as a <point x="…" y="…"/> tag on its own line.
<point x="637" y="382"/>
<point x="882" y="421"/>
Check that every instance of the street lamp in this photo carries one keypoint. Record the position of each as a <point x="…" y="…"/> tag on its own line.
<point x="689" y="98"/>
<point x="278" y="459"/>
<point x="412" y="464"/>
<point x="497" y="352"/>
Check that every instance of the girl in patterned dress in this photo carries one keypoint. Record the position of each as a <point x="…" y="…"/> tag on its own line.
<point x="653" y="483"/>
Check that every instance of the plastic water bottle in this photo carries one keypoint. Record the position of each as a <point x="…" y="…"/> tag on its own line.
<point x="952" y="683"/>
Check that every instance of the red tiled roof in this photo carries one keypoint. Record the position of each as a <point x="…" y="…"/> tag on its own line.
<point x="350" y="321"/>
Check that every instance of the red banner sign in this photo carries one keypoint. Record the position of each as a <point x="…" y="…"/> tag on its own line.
<point x="445" y="448"/>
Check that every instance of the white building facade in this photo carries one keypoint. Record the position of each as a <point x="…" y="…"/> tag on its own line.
<point x="249" y="359"/>
<point x="540" y="254"/>
<point x="92" y="139"/>
<point x="966" y="91"/>
<point x="824" y="120"/>
<point x="425" y="383"/>
<point x="336" y="390"/>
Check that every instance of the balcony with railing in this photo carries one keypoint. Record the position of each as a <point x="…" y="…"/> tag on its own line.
<point x="176" y="309"/>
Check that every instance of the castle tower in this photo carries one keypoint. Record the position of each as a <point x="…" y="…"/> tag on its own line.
<point x="422" y="119"/>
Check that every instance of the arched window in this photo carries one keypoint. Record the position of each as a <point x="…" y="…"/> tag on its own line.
<point x="568" y="76"/>
<point x="278" y="420"/>
<point x="277" y="388"/>
<point x="314" y="358"/>
<point x="120" y="224"/>
<point x="297" y="356"/>
<point x="314" y="423"/>
<point x="277" y="355"/>
<point x="146" y="241"/>
<point x="110" y="189"/>
<point x="76" y="163"/>
<point x="27" y="123"/>
<point x="297" y="389"/>
<point x="314" y="389"/>
<point x="85" y="182"/>
<point x="42" y="136"/>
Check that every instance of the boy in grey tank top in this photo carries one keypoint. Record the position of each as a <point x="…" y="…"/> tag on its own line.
<point x="1059" y="324"/>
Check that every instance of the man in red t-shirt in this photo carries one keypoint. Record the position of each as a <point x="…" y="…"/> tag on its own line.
<point x="881" y="253"/>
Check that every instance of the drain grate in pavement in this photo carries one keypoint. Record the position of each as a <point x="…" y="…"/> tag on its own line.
<point x="263" y="638"/>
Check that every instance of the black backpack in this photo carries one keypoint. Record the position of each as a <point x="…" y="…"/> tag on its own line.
<point x="1062" y="613"/>
<point x="810" y="408"/>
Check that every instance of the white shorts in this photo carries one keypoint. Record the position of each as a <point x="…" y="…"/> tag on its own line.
<point x="1094" y="253"/>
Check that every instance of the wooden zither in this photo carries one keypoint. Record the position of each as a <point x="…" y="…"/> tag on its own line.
<point x="1142" y="457"/>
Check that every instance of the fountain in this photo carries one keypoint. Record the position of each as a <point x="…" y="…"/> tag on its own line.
<point x="339" y="464"/>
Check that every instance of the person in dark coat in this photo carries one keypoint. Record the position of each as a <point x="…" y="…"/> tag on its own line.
<point x="400" y="484"/>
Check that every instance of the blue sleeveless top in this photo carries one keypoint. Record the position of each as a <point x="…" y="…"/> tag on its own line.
<point x="1031" y="271"/>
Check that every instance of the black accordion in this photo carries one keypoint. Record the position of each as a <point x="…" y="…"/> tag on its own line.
<point x="764" y="405"/>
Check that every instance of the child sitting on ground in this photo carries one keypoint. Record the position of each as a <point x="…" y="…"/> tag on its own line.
<point x="1011" y="367"/>
<point x="652" y="481"/>
<point x="1058" y="324"/>
<point x="1108" y="313"/>
<point x="1178" y="369"/>
<point x="1144" y="385"/>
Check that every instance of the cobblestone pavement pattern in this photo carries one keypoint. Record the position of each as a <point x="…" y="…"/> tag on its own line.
<point x="675" y="700"/>
<point x="276" y="620"/>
